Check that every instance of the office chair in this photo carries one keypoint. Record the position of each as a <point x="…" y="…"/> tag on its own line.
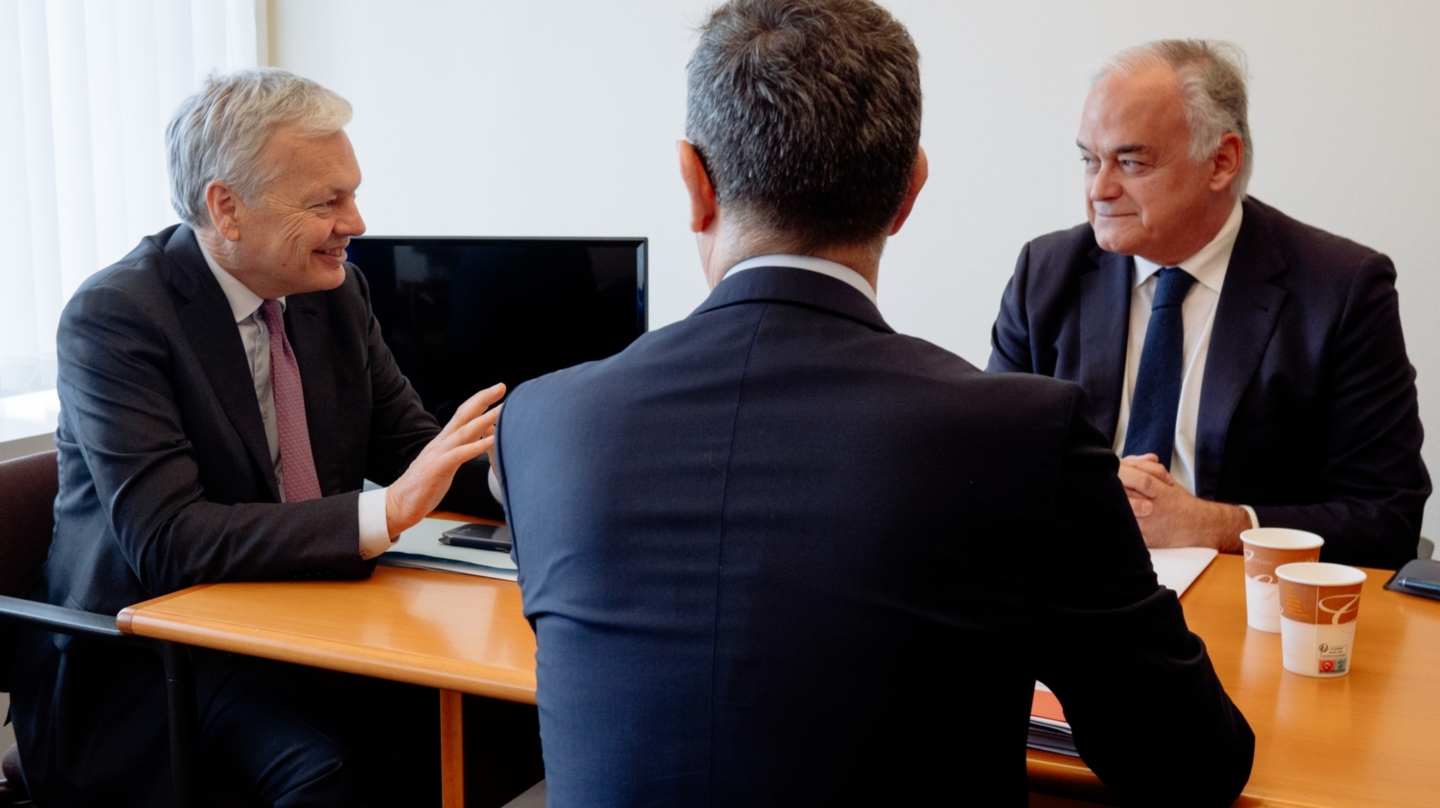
<point x="27" y="499"/>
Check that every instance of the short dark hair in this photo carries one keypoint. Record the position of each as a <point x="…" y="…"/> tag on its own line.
<point x="806" y="114"/>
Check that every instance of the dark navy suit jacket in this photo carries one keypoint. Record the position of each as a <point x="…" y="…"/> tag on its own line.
<point x="166" y="482"/>
<point x="1308" y="410"/>
<point x="777" y="554"/>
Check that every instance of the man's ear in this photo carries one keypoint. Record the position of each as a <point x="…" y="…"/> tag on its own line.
<point x="1229" y="159"/>
<point x="224" y="205"/>
<point x="697" y="185"/>
<point x="918" y="175"/>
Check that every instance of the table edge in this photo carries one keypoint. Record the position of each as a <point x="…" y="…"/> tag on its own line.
<point x="126" y="618"/>
<point x="419" y="669"/>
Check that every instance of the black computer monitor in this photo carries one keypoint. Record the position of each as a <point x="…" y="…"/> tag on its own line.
<point x="461" y="314"/>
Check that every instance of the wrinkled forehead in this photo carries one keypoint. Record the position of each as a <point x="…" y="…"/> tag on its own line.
<point x="1141" y="108"/>
<point x="315" y="163"/>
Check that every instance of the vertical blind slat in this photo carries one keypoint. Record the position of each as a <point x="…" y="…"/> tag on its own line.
<point x="86" y="88"/>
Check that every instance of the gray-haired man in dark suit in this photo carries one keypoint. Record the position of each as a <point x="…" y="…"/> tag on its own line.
<point x="224" y="393"/>
<point x="1250" y="369"/>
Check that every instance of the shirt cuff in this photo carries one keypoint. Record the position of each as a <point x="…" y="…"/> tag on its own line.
<point x="495" y="491"/>
<point x="374" y="527"/>
<point x="1254" y="520"/>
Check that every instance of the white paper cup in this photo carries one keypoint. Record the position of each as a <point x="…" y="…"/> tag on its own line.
<point x="1265" y="549"/>
<point x="1318" y="606"/>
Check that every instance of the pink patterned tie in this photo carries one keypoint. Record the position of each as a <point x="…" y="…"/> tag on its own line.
<point x="297" y="464"/>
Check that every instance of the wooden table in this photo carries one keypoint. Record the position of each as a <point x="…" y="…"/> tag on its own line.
<point x="458" y="633"/>
<point x="1368" y="739"/>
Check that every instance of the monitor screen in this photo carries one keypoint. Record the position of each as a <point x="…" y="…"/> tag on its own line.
<point x="461" y="314"/>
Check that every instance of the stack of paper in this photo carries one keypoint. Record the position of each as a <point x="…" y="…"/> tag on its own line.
<point x="1177" y="568"/>
<point x="1048" y="729"/>
<point x="420" y="548"/>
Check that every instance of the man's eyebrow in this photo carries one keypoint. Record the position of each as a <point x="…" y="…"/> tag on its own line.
<point x="1128" y="148"/>
<point x="326" y="192"/>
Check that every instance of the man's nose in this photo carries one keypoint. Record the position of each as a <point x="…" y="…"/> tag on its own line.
<point x="1104" y="184"/>
<point x="350" y="223"/>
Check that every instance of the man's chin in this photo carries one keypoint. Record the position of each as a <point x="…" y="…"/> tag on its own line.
<point x="334" y="278"/>
<point x="325" y="276"/>
<point x="1115" y="239"/>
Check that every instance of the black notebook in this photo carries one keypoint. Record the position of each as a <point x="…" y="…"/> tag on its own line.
<point x="1419" y="577"/>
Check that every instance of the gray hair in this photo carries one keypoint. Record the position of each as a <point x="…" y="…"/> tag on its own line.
<point x="218" y="133"/>
<point x="806" y="114"/>
<point x="1212" y="78"/>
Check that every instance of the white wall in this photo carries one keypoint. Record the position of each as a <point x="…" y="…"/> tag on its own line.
<point x="559" y="118"/>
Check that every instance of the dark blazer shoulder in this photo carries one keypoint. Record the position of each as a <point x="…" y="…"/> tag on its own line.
<point x="1295" y="238"/>
<point x="1064" y="244"/>
<point x="1007" y="394"/>
<point x="144" y="287"/>
<point x="140" y="269"/>
<point x="1321" y="271"/>
<point x="1048" y="273"/>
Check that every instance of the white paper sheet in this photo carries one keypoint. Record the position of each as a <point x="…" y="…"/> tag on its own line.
<point x="1178" y="567"/>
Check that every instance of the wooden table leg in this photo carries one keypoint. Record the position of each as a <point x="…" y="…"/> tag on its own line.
<point x="452" y="750"/>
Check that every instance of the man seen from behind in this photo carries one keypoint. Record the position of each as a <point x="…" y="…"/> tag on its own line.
<point x="777" y="554"/>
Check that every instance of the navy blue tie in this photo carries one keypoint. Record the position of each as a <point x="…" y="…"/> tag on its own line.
<point x="1162" y="364"/>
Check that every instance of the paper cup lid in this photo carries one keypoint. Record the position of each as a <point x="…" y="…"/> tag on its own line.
<point x="1281" y="538"/>
<point x="1319" y="573"/>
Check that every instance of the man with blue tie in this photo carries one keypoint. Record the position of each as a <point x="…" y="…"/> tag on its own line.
<point x="1260" y="375"/>
<point x="777" y="554"/>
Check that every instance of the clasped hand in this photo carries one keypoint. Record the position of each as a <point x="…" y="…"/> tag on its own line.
<point x="1170" y="516"/>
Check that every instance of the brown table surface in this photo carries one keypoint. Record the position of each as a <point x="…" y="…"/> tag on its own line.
<point x="457" y="633"/>
<point x="1368" y="739"/>
<point x="1371" y="738"/>
<point x="438" y="629"/>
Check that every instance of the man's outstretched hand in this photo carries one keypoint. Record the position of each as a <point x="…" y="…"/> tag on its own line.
<point x="468" y="435"/>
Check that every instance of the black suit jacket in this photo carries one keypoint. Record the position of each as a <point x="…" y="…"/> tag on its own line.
<point x="777" y="554"/>
<point x="1307" y="408"/>
<point x="166" y="482"/>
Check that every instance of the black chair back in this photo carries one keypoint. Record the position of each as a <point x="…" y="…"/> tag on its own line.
<point x="28" y="486"/>
<point x="27" y="519"/>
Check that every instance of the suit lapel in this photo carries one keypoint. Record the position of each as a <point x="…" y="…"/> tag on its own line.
<point x="209" y="324"/>
<point x="1244" y="320"/>
<point x="308" y="324"/>
<point x="1104" y="330"/>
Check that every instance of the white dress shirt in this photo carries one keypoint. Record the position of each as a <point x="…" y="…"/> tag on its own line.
<point x="839" y="272"/>
<point x="374" y="536"/>
<point x="1208" y="267"/>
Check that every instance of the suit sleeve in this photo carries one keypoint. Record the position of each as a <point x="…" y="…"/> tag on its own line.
<point x="1010" y="336"/>
<point x="1149" y="715"/>
<point x="1373" y="483"/>
<point x="120" y="400"/>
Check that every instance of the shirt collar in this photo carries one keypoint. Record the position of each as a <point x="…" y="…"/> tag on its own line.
<point x="243" y="302"/>
<point x="839" y="272"/>
<point x="1209" y="264"/>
